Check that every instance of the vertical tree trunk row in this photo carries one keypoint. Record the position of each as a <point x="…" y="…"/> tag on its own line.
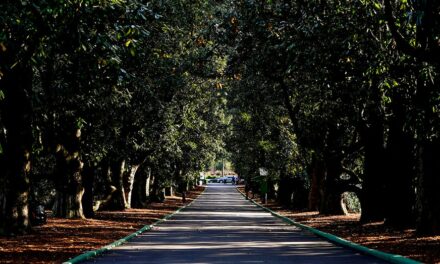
<point x="428" y="196"/>
<point x="15" y="159"/>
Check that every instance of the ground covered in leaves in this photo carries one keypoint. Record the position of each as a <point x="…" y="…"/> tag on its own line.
<point x="373" y="235"/>
<point x="61" y="239"/>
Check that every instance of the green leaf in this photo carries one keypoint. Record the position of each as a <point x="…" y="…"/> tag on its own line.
<point x="377" y="5"/>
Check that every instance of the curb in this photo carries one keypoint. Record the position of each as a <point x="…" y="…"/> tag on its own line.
<point x="392" y="258"/>
<point x="94" y="253"/>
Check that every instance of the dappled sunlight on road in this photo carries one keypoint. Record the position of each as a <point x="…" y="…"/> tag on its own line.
<point x="222" y="227"/>
<point x="230" y="245"/>
<point x="230" y="213"/>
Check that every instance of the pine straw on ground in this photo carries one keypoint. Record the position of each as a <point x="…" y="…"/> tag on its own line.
<point x="61" y="239"/>
<point x="373" y="235"/>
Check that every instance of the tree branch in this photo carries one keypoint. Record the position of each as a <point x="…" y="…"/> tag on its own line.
<point x="42" y="30"/>
<point x="403" y="45"/>
<point x="287" y="102"/>
<point x="355" y="179"/>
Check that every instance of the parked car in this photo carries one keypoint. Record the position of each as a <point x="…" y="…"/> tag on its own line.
<point x="38" y="215"/>
<point x="227" y="179"/>
<point x="212" y="180"/>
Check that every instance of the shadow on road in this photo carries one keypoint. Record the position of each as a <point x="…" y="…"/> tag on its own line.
<point x="222" y="227"/>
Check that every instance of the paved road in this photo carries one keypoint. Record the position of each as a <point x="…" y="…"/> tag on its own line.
<point x="222" y="227"/>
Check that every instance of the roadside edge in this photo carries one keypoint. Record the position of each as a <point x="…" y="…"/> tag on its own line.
<point x="94" y="253"/>
<point x="392" y="258"/>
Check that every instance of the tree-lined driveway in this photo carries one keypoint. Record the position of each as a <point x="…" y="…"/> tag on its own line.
<point x="222" y="227"/>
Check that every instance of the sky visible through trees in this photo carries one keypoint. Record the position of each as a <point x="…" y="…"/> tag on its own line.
<point x="104" y="103"/>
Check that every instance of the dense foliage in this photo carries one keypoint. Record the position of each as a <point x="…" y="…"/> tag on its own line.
<point x="104" y="103"/>
<point x="339" y="97"/>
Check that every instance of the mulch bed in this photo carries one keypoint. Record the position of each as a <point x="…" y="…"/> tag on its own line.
<point x="61" y="239"/>
<point x="373" y="235"/>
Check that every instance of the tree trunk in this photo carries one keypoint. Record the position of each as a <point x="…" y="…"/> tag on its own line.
<point x="372" y="195"/>
<point x="157" y="193"/>
<point x="141" y="188"/>
<point x="169" y="191"/>
<point x="400" y="189"/>
<point x="119" y="201"/>
<point x="428" y="194"/>
<point x="87" y="199"/>
<point x="183" y="188"/>
<point x="330" y="203"/>
<point x="148" y="183"/>
<point x="69" y="204"/>
<point x="271" y="193"/>
<point x="115" y="199"/>
<point x="428" y="153"/>
<point x="285" y="190"/>
<point x="180" y="177"/>
<point x="317" y="172"/>
<point x="299" y="195"/>
<point x="69" y="189"/>
<point x="68" y="199"/>
<point x="16" y="115"/>
<point x="133" y="170"/>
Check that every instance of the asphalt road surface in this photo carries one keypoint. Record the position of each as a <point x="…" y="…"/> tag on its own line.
<point x="222" y="227"/>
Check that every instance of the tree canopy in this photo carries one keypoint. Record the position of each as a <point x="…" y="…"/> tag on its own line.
<point x="104" y="103"/>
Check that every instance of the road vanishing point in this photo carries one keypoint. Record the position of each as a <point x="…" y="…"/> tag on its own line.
<point x="223" y="227"/>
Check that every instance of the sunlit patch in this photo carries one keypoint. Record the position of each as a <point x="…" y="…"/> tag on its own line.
<point x="194" y="245"/>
